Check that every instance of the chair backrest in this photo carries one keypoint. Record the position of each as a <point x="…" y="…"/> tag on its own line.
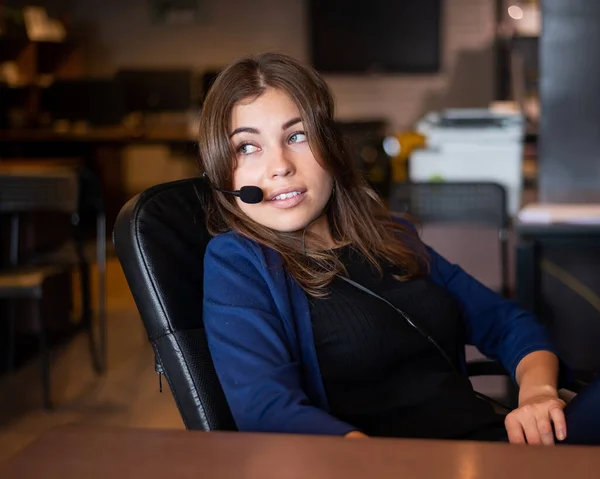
<point x="482" y="203"/>
<point x="51" y="190"/>
<point x="160" y="238"/>
<point x="54" y="190"/>
<point x="465" y="203"/>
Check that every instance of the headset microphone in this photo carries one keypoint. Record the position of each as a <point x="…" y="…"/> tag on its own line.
<point x="248" y="194"/>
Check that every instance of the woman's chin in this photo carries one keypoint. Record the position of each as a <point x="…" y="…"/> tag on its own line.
<point x="286" y="225"/>
<point x="289" y="228"/>
<point x="287" y="222"/>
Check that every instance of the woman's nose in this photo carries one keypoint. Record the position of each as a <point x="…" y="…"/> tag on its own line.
<point x="281" y="165"/>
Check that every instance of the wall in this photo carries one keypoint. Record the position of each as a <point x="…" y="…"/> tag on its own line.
<point x="121" y="34"/>
<point x="569" y="170"/>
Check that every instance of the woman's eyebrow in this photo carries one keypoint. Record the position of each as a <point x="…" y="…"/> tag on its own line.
<point x="244" y="129"/>
<point x="256" y="131"/>
<point x="291" y="122"/>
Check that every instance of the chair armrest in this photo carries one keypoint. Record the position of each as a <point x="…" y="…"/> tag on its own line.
<point x="485" y="367"/>
<point x="489" y="367"/>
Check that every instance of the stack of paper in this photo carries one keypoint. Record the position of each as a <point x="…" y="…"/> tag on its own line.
<point x="561" y="213"/>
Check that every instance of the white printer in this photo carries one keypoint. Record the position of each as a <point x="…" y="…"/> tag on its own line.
<point x="472" y="145"/>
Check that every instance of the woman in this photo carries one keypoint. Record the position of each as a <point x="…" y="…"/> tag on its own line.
<point x="297" y="347"/>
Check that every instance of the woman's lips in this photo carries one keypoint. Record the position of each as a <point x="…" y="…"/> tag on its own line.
<point x="288" y="202"/>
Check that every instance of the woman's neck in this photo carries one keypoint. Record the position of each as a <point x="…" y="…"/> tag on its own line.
<point x="321" y="231"/>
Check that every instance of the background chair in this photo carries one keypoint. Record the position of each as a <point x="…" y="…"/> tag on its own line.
<point x="83" y="249"/>
<point x="160" y="238"/>
<point x="28" y="273"/>
<point x="463" y="203"/>
<point x="466" y="203"/>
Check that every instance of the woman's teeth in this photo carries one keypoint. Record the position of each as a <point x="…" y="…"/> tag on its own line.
<point x="286" y="195"/>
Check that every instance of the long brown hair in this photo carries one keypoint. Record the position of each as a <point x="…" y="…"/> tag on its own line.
<point x="356" y="214"/>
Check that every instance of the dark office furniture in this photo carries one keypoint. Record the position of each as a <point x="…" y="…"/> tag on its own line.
<point x="479" y="203"/>
<point x="574" y="320"/>
<point x="27" y="273"/>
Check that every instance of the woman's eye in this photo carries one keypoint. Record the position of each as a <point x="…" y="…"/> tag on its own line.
<point x="298" y="137"/>
<point x="246" y="149"/>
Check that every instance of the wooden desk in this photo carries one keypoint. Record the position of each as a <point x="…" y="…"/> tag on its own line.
<point x="74" y="452"/>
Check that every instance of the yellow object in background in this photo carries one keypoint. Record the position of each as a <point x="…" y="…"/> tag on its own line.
<point x="408" y="141"/>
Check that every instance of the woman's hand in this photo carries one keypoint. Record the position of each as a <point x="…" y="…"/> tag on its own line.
<point x="532" y="421"/>
<point x="539" y="404"/>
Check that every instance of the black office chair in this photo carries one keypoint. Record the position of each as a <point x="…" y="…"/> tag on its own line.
<point x="160" y="238"/>
<point x="481" y="203"/>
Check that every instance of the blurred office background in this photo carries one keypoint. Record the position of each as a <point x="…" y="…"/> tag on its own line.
<point x="434" y="91"/>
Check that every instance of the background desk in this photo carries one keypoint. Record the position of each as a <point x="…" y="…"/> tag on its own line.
<point x="99" y="149"/>
<point x="111" y="134"/>
<point x="127" y="453"/>
<point x="577" y="337"/>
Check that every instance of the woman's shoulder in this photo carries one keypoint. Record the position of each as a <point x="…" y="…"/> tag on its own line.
<point x="234" y="246"/>
<point x="230" y="241"/>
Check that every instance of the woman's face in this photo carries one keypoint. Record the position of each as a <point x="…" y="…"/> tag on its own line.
<point x="272" y="152"/>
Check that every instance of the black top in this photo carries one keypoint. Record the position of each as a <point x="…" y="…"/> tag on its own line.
<point x="383" y="376"/>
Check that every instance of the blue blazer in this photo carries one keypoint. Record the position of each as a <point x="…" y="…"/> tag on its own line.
<point x="259" y="332"/>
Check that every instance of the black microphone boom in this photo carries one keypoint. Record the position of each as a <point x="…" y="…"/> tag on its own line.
<point x="248" y="194"/>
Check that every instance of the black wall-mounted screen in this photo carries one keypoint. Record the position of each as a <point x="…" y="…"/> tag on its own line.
<point x="361" y="36"/>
